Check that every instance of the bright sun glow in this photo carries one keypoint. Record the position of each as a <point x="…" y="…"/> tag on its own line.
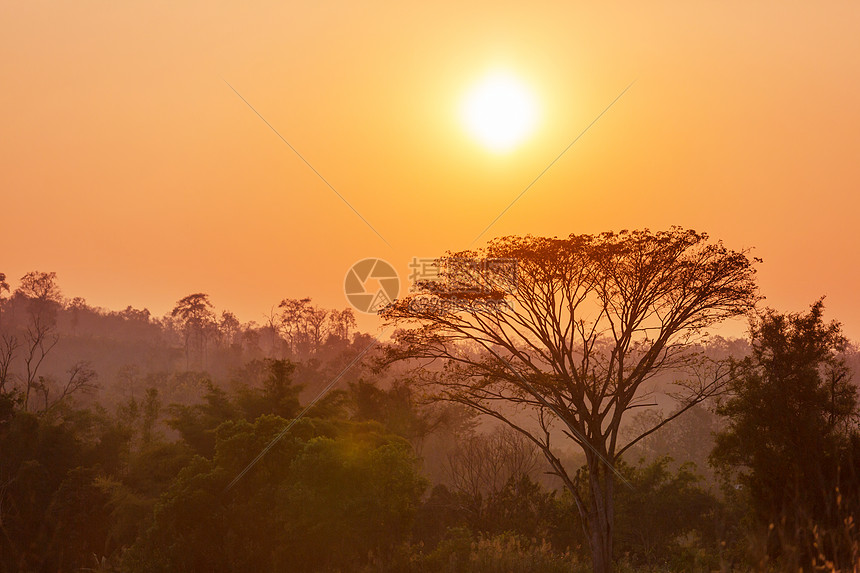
<point x="500" y="112"/>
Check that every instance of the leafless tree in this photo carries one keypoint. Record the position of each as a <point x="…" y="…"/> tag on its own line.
<point x="40" y="338"/>
<point x="4" y="288"/>
<point x="8" y="342"/>
<point x="8" y="345"/>
<point x="484" y="463"/>
<point x="40" y="335"/>
<point x="80" y="378"/>
<point x="572" y="334"/>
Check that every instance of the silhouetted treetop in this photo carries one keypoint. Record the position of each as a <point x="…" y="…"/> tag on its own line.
<point x="40" y="286"/>
<point x="570" y="329"/>
<point x="194" y="309"/>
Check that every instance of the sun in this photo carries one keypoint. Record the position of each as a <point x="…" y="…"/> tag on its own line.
<point x="500" y="111"/>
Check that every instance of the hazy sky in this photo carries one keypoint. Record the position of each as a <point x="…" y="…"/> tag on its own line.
<point x="131" y="168"/>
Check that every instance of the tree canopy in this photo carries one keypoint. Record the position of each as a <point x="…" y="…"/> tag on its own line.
<point x="570" y="330"/>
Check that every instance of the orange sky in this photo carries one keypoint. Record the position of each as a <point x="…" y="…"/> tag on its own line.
<point x="128" y="166"/>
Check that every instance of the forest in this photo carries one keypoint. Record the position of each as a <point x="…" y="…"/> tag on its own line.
<point x="589" y="425"/>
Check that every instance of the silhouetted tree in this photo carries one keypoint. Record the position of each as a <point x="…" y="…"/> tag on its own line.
<point x="77" y="306"/>
<point x="792" y="433"/>
<point x="197" y="319"/>
<point x="292" y="322"/>
<point x="4" y="288"/>
<point x="230" y="328"/>
<point x="8" y="342"/>
<point x="340" y="323"/>
<point x="43" y="301"/>
<point x="80" y="378"/>
<point x="571" y="335"/>
<point x="316" y="334"/>
<point x="8" y="345"/>
<point x="306" y="327"/>
<point x="278" y="394"/>
<point x="134" y="314"/>
<point x="484" y="463"/>
<point x="40" y="287"/>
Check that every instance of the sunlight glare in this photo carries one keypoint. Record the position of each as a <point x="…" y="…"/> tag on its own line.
<point x="500" y="112"/>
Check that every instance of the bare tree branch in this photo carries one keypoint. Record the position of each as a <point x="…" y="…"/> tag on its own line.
<point x="573" y="335"/>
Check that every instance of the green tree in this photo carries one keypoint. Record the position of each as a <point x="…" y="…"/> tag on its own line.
<point x="396" y="408"/>
<point x="792" y="435"/>
<point x="660" y="512"/>
<point x="278" y="395"/>
<point x="77" y="521"/>
<point x="197" y="423"/>
<point x="571" y="334"/>
<point x="47" y="489"/>
<point x="149" y="418"/>
<point x="323" y="498"/>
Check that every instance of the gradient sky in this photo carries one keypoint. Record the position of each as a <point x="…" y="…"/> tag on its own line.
<point x="129" y="166"/>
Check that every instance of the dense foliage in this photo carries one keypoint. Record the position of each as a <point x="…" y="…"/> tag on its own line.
<point x="791" y="450"/>
<point x="126" y="453"/>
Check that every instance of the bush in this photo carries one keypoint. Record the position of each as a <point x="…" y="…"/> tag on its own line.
<point x="461" y="552"/>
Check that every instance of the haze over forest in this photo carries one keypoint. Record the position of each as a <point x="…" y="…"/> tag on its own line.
<point x="458" y="286"/>
<point x="114" y="423"/>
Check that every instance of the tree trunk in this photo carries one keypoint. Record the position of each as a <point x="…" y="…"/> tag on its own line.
<point x="601" y="516"/>
<point x="601" y="551"/>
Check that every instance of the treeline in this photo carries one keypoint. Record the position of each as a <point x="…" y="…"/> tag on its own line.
<point x="343" y="490"/>
<point x="133" y="443"/>
<point x="52" y="346"/>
